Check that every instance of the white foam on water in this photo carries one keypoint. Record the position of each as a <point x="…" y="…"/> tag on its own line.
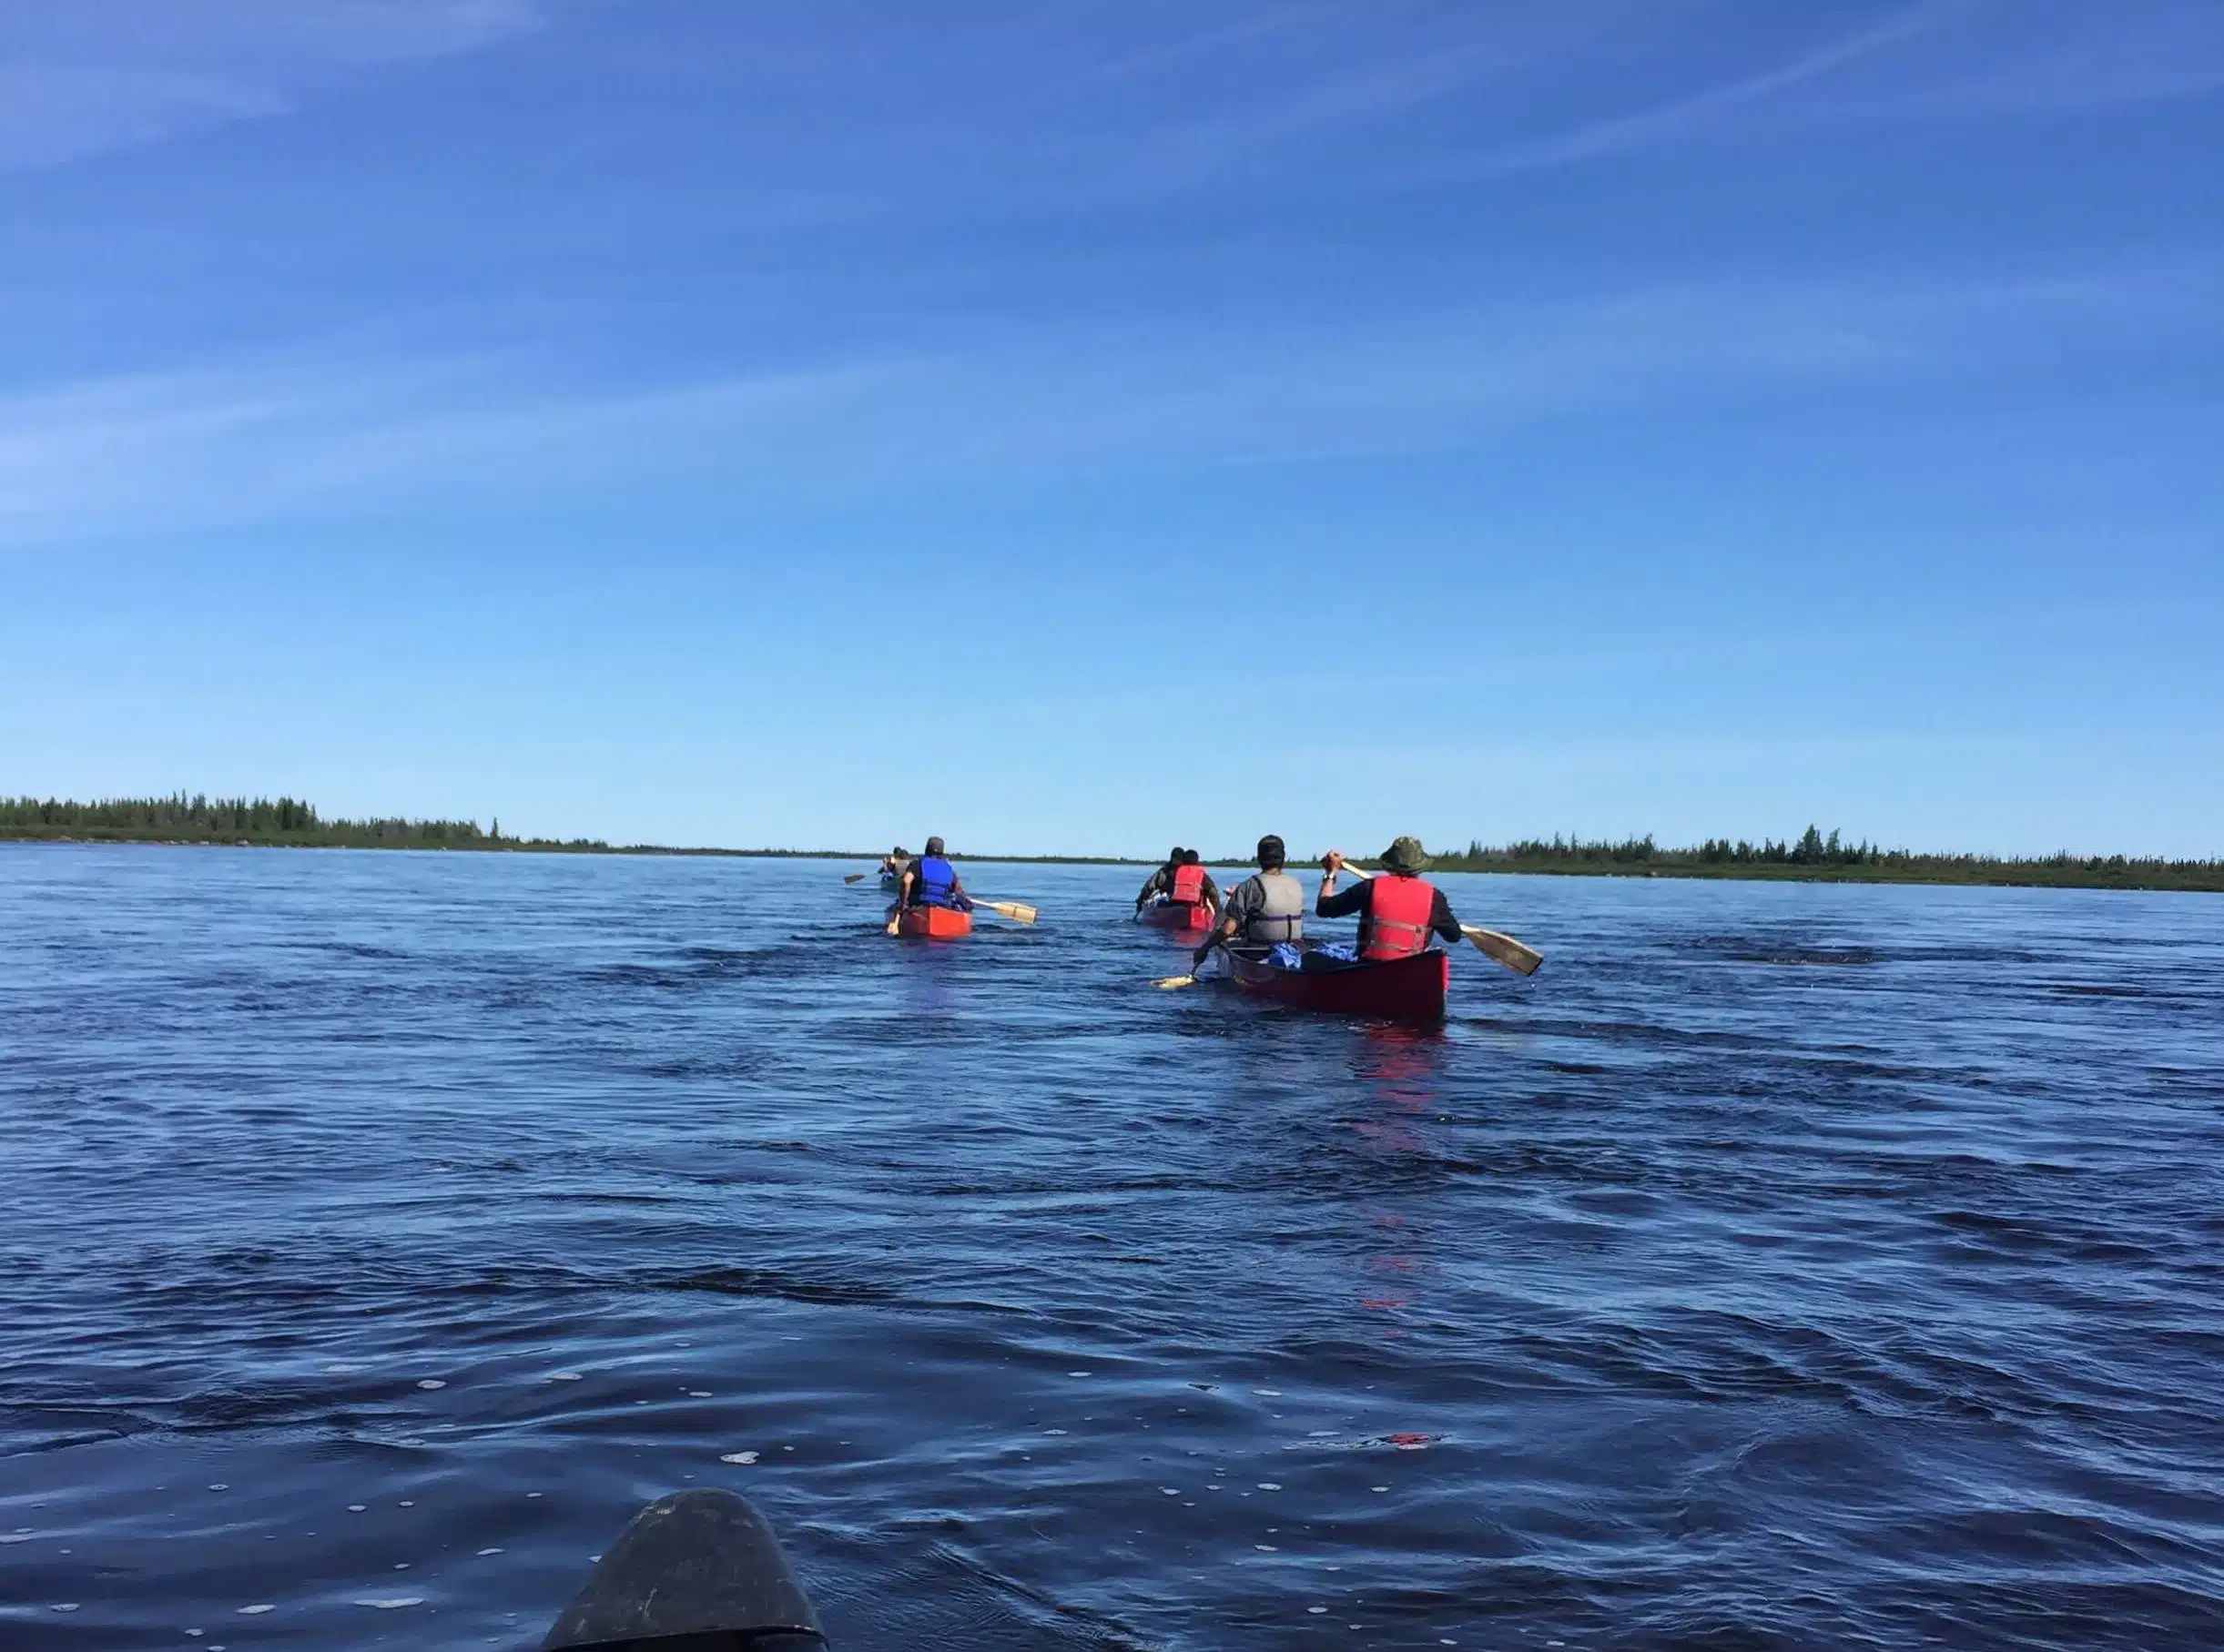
<point x="392" y="1602"/>
<point x="743" y="1457"/>
<point x="1268" y="1486"/>
<point x="431" y="1383"/>
<point x="483" y="1552"/>
<point x="1266" y="1548"/>
<point x="407" y="1504"/>
<point x="357" y="1508"/>
<point x="66" y="1605"/>
<point x="562" y="1376"/>
<point x="256" y="1611"/>
<point x="1272" y="1393"/>
<point x="699" y="1394"/>
<point x="220" y="1486"/>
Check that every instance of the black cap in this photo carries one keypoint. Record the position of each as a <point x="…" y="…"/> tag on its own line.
<point x="934" y="845"/>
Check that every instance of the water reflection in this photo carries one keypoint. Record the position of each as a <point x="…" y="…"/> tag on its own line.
<point x="1398" y="1073"/>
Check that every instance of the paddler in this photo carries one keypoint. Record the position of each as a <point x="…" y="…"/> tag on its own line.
<point x="1399" y="910"/>
<point x="932" y="881"/>
<point x="1264" y="910"/>
<point x="1160" y="881"/>
<point x="893" y="863"/>
<point x="1192" y="886"/>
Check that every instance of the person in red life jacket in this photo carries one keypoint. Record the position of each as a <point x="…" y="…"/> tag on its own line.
<point x="1192" y="885"/>
<point x="1160" y="881"/>
<point x="1398" y="910"/>
<point x="932" y="881"/>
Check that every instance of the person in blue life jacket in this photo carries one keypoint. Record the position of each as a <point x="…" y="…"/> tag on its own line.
<point x="932" y="881"/>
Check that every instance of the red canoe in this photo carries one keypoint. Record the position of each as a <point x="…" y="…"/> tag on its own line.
<point x="1404" y="990"/>
<point x="1174" y="914"/>
<point x="934" y="923"/>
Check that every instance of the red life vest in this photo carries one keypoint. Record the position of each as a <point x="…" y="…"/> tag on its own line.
<point x="1188" y="885"/>
<point x="1397" y="915"/>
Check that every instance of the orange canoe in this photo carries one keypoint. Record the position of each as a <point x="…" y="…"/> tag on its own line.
<point x="934" y="923"/>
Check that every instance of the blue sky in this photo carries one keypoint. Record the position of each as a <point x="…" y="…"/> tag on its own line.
<point x="1089" y="426"/>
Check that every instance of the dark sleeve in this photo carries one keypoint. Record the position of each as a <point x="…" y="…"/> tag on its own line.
<point x="1211" y="890"/>
<point x="1344" y="902"/>
<point x="1441" y="920"/>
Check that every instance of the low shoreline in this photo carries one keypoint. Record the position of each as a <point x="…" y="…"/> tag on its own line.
<point x="2148" y="877"/>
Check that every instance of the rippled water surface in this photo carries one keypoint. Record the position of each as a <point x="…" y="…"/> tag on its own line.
<point x="1782" y="1266"/>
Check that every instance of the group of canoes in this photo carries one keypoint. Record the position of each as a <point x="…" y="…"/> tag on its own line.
<point x="1393" y="972"/>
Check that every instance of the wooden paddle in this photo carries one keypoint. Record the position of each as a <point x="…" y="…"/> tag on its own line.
<point x="1018" y="911"/>
<point x="1501" y="948"/>
<point x="856" y="877"/>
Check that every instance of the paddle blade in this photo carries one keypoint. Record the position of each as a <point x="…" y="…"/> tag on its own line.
<point x="1018" y="911"/>
<point x="1169" y="982"/>
<point x="1505" y="948"/>
<point x="854" y="877"/>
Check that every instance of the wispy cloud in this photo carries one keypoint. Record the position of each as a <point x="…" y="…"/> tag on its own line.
<point x="1663" y="122"/>
<point x="319" y="433"/>
<point x="94" y="76"/>
<point x="1935" y="60"/>
<point x="158" y="451"/>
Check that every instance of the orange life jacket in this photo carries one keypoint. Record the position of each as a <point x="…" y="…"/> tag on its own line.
<point x="1188" y="885"/>
<point x="1398" y="913"/>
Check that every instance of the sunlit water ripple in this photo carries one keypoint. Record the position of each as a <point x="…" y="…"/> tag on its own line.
<point x="1783" y="1267"/>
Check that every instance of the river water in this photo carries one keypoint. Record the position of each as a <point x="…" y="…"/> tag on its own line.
<point x="1783" y="1266"/>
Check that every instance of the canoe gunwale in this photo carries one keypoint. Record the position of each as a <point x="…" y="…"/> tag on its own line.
<point x="1410" y="990"/>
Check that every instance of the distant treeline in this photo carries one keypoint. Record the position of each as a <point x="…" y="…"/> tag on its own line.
<point x="199" y="819"/>
<point x="1815" y="854"/>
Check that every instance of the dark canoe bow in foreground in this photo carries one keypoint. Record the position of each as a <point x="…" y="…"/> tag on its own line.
<point x="697" y="1572"/>
<point x="1403" y="989"/>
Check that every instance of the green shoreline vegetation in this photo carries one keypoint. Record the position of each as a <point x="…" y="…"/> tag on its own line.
<point x="1812" y="857"/>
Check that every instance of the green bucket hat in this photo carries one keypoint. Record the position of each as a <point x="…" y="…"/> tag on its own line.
<point x="1405" y="856"/>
